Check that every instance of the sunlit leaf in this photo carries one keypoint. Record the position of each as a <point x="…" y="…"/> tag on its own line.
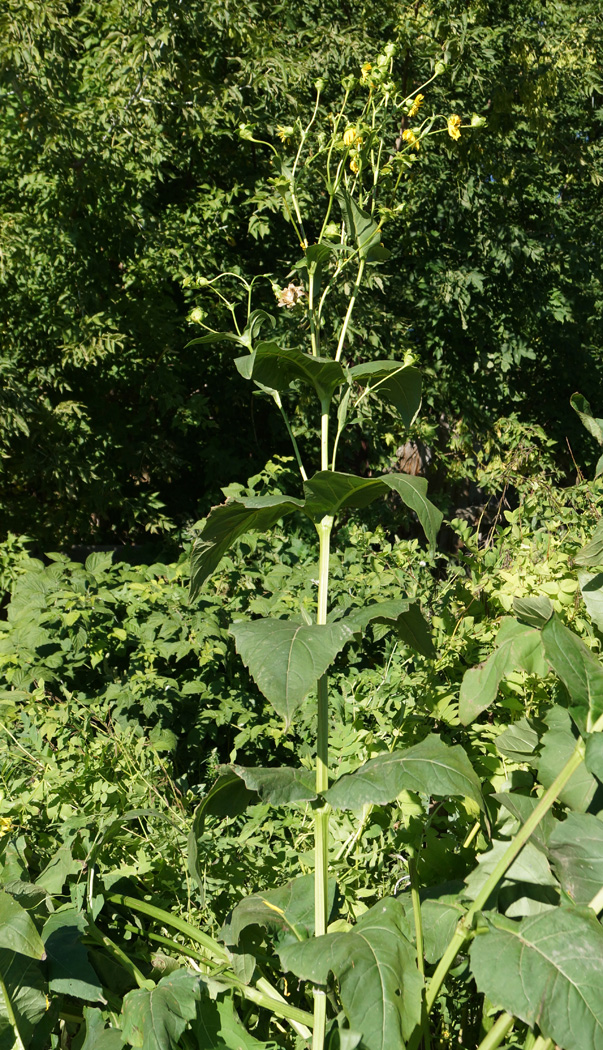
<point x="517" y="646"/>
<point x="397" y="383"/>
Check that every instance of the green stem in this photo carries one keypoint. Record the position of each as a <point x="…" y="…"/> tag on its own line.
<point x="213" y="950"/>
<point x="314" y="332"/>
<point x="501" y="1027"/>
<point x="416" y="911"/>
<point x="543" y="1044"/>
<point x="321" y="814"/>
<point x="349" y="310"/>
<point x="463" y="930"/>
<point x="113" y="949"/>
<point x="279" y="404"/>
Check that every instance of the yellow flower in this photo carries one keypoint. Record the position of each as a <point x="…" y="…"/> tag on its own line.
<point x="418" y="102"/>
<point x="284" y="132"/>
<point x="354" y="166"/>
<point x="410" y="137"/>
<point x="349" y="136"/>
<point x="6" y="825"/>
<point x="364" y="72"/>
<point x="454" y="123"/>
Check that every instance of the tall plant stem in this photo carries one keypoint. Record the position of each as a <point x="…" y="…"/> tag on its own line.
<point x="463" y="930"/>
<point x="416" y="911"/>
<point x="501" y="1027"/>
<point x="349" y="310"/>
<point x="321" y="815"/>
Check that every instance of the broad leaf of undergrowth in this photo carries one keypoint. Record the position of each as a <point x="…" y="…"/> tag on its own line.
<point x="431" y="768"/>
<point x="591" y="588"/>
<point x="522" y="807"/>
<point x="69" y="970"/>
<point x="97" y="1036"/>
<point x="576" y="850"/>
<point x="227" y="797"/>
<point x="285" y="659"/>
<point x="329" y="492"/>
<point x="155" y="1018"/>
<point x="229" y="521"/>
<point x="579" y="670"/>
<point x="280" y="785"/>
<point x="375" y="965"/>
<point x="405" y="616"/>
<point x="217" y="1027"/>
<point x="517" y="646"/>
<point x="592" y="552"/>
<point x="548" y="971"/>
<point x="24" y="995"/>
<point x="17" y="930"/>
<point x="398" y="384"/>
<point x="439" y="918"/>
<point x="518" y="742"/>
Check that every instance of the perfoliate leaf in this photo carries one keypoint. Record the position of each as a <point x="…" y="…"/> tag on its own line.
<point x="548" y="971"/>
<point x="97" y="1036"/>
<point x="155" y="1018"/>
<point x="286" y="659"/>
<point x="404" y="616"/>
<point x="576" y="850"/>
<point x="17" y="931"/>
<point x="431" y="768"/>
<point x="277" y="367"/>
<point x="579" y="670"/>
<point x="558" y="745"/>
<point x="361" y="229"/>
<point x="280" y="785"/>
<point x="229" y="521"/>
<point x="397" y="383"/>
<point x="228" y="797"/>
<point x="288" y="909"/>
<point x="593" y="758"/>
<point x="329" y="492"/>
<point x="375" y="964"/>
<point x="517" y="646"/>
<point x="592" y="553"/>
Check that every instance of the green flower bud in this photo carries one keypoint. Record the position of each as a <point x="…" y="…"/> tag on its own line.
<point x="320" y="84"/>
<point x="477" y="121"/>
<point x="439" y="69"/>
<point x="348" y="82"/>
<point x="390" y="50"/>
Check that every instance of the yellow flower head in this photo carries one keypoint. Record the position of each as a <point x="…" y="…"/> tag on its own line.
<point x="364" y="72"/>
<point x="349" y="136"/>
<point x="284" y="132"/>
<point x="418" y="102"/>
<point x="454" y="123"/>
<point x="354" y="165"/>
<point x="410" y="137"/>
<point x="6" y="825"/>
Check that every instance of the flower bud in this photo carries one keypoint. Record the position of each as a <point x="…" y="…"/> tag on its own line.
<point x="439" y="69"/>
<point x="390" y="50"/>
<point x="477" y="121"/>
<point x="348" y="82"/>
<point x="320" y="83"/>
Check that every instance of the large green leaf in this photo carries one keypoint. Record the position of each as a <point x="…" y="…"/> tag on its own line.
<point x="97" y="1036"/>
<point x="431" y="768"/>
<point x="530" y="866"/>
<point x="439" y="917"/>
<point x="329" y="492"/>
<point x="286" y="659"/>
<point x="229" y="521"/>
<point x="592" y="553"/>
<point x="592" y="424"/>
<point x="155" y="1018"/>
<point x="17" y="931"/>
<point x="591" y="587"/>
<point x="280" y="785"/>
<point x="375" y="964"/>
<point x="399" y="384"/>
<point x="25" y="989"/>
<point x="69" y="970"/>
<point x="217" y="1027"/>
<point x="548" y="971"/>
<point x="579" y="670"/>
<point x="361" y="229"/>
<point x="576" y="850"/>
<point x="522" y="807"/>
<point x="288" y="909"/>
<point x="277" y="367"/>
<point x="558" y="745"/>
<point x="406" y="617"/>
<point x="518" y="742"/>
<point x="517" y="646"/>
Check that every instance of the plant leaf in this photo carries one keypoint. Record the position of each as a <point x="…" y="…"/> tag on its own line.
<point x="579" y="670"/>
<point x="216" y="1027"/>
<point x="375" y="964"/>
<point x="535" y="612"/>
<point x="286" y="659"/>
<point x="361" y="229"/>
<point x="69" y="970"/>
<point x="25" y="989"/>
<point x="227" y="797"/>
<point x="548" y="971"/>
<point x="518" y="742"/>
<point x="277" y="367"/>
<point x="517" y="646"/>
<point x="431" y="768"/>
<point x="280" y="785"/>
<point x="530" y="866"/>
<point x="593" y="425"/>
<point x="591" y="588"/>
<point x="439" y="918"/>
<point x="289" y="909"/>
<point x="592" y="553"/>
<point x="329" y="492"/>
<point x="399" y="384"/>
<point x="155" y="1018"/>
<point x="226" y="523"/>
<point x="576" y="850"/>
<point x="17" y="931"/>
<point x="558" y="744"/>
<point x="405" y="616"/>
<point x="522" y="807"/>
<point x="97" y="1036"/>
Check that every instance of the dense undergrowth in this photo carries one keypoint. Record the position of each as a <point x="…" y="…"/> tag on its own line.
<point x="120" y="700"/>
